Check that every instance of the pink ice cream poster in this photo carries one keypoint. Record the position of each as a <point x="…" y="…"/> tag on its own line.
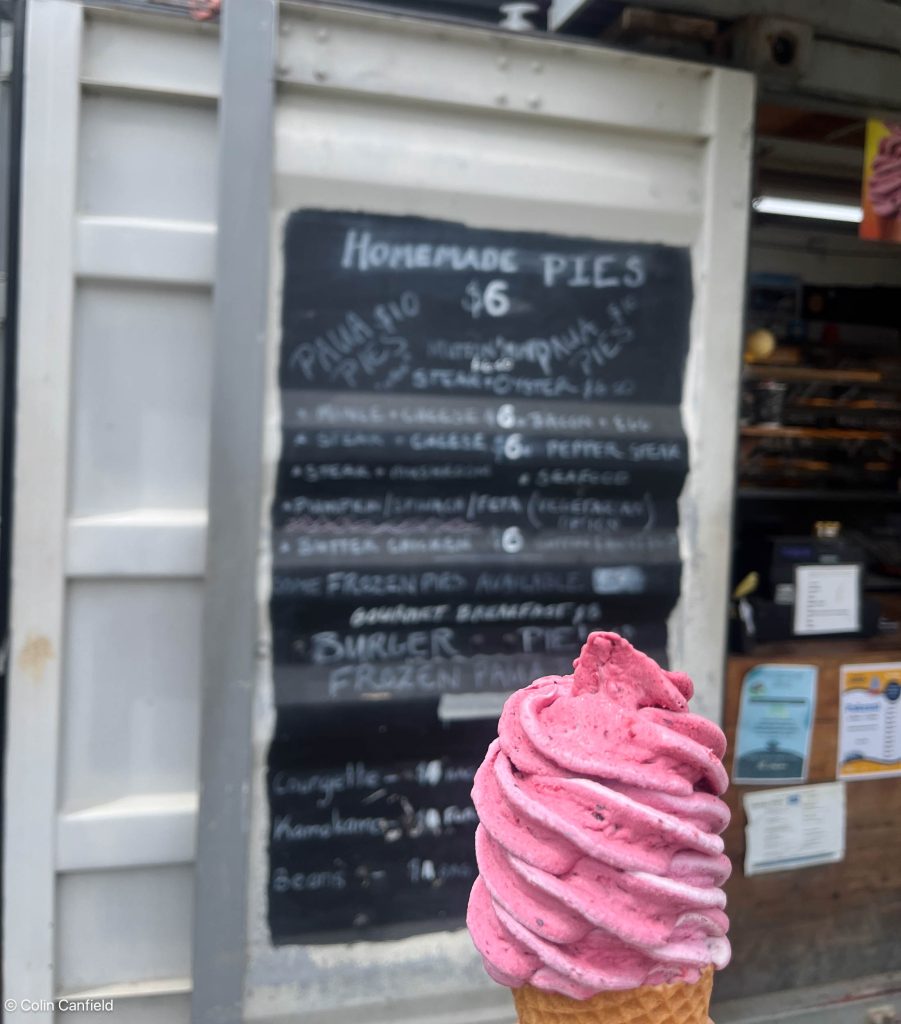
<point x="882" y="182"/>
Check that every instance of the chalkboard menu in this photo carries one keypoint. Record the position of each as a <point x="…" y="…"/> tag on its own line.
<point x="371" y="820"/>
<point x="481" y="458"/>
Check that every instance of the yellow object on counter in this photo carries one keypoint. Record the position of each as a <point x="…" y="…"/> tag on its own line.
<point x="759" y="345"/>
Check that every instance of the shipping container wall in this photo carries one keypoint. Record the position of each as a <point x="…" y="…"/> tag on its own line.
<point x="387" y="115"/>
<point x="398" y="116"/>
<point x="115" y="344"/>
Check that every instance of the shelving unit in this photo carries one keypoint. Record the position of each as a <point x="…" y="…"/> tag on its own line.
<point x="863" y="405"/>
<point x="816" y="494"/>
<point x="815" y="434"/>
<point x="823" y="411"/>
<point x="812" y="375"/>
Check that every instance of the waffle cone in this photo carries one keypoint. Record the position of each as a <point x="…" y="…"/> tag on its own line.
<point x="653" y="1004"/>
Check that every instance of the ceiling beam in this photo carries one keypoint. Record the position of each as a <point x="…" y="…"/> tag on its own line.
<point x="868" y="22"/>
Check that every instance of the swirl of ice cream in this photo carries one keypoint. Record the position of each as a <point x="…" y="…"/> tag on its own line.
<point x="599" y="849"/>
<point x="885" y="176"/>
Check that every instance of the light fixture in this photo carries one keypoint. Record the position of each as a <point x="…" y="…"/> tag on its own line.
<point x="808" y="208"/>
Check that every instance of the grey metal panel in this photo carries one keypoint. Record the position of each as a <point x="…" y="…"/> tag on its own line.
<point x="853" y="55"/>
<point x="6" y="29"/>
<point x="824" y="257"/>
<point x="854" y="74"/>
<point x="245" y="148"/>
<point x="873" y="22"/>
<point x="845" y="1002"/>
<point x="801" y="157"/>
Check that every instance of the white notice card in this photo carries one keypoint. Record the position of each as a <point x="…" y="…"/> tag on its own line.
<point x="794" y="828"/>
<point x="827" y="599"/>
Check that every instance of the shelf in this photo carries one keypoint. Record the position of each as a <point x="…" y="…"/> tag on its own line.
<point x="810" y="375"/>
<point x="878" y="584"/>
<point x="815" y="494"/>
<point x="815" y="434"/>
<point x="822" y="649"/>
<point x="855" y="405"/>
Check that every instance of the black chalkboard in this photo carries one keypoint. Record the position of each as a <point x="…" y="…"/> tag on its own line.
<point x="372" y="824"/>
<point x="425" y="307"/>
<point x="482" y="453"/>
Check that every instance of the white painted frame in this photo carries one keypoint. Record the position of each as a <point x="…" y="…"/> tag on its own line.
<point x="75" y="56"/>
<point x="46" y="276"/>
<point x="698" y="626"/>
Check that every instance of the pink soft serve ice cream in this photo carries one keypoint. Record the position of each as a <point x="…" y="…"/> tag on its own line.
<point x="599" y="846"/>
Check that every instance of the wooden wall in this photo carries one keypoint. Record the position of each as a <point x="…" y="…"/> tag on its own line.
<point x="816" y="925"/>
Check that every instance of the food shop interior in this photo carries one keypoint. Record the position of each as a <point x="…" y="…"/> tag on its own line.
<point x="814" y="659"/>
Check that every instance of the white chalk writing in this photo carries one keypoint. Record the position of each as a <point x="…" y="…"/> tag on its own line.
<point x="307" y="881"/>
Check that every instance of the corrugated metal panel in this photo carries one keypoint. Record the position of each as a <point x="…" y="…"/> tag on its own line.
<point x="388" y="115"/>
<point x="823" y="258"/>
<point x="396" y="116"/>
<point x="110" y="509"/>
<point x="872" y="22"/>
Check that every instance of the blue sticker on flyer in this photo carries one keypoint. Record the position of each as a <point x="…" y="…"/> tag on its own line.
<point x="775" y="724"/>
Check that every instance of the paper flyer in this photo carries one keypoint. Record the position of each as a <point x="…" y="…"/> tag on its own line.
<point x="827" y="599"/>
<point x="869" y="732"/>
<point x="794" y="828"/>
<point x="882" y="182"/>
<point x="775" y="723"/>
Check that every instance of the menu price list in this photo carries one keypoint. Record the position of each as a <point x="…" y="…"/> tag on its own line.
<point x="482" y="456"/>
<point x="372" y="825"/>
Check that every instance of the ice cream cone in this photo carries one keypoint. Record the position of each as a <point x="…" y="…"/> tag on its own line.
<point x="653" y="1004"/>
<point x="599" y="845"/>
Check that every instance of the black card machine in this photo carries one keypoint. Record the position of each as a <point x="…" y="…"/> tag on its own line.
<point x="774" y="615"/>
<point x="789" y="552"/>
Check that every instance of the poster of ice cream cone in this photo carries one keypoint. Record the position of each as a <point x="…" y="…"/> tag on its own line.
<point x="882" y="182"/>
